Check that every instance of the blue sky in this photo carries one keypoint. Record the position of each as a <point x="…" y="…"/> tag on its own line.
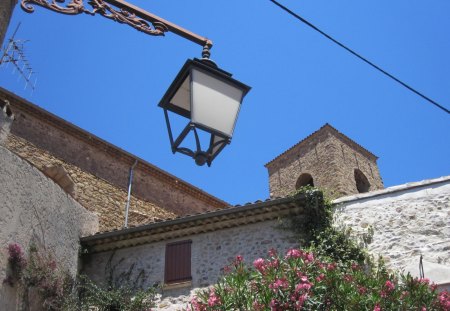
<point x="108" y="79"/>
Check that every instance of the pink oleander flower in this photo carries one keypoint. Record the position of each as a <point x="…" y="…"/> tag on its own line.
<point x="377" y="308"/>
<point x="259" y="265"/>
<point x="444" y="300"/>
<point x="293" y="253"/>
<point x="303" y="286"/>
<point x="389" y="286"/>
<point x="213" y="300"/>
<point x="274" y="263"/>
<point x="299" y="303"/>
<point x="279" y="284"/>
<point x="239" y="259"/>
<point x="309" y="257"/>
<point x="320" y="277"/>
<point x="274" y="305"/>
<point x="196" y="305"/>
<point x="331" y="266"/>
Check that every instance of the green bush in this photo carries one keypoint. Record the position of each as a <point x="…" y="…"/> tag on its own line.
<point x="301" y="281"/>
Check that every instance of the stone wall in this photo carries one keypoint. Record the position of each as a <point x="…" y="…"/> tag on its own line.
<point x="6" y="9"/>
<point x="408" y="220"/>
<point x="97" y="157"/>
<point x="210" y="253"/>
<point x="95" y="194"/>
<point x="330" y="158"/>
<point x="34" y="208"/>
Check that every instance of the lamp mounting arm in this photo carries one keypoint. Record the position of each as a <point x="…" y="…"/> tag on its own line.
<point x="124" y="13"/>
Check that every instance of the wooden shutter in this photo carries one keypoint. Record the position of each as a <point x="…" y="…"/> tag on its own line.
<point x="178" y="262"/>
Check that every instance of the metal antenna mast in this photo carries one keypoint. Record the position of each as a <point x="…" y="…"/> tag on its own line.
<point x="14" y="53"/>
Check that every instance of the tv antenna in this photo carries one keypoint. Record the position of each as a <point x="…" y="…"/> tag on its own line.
<point x="14" y="53"/>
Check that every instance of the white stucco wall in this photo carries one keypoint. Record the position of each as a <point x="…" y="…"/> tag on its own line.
<point x="34" y="208"/>
<point x="408" y="220"/>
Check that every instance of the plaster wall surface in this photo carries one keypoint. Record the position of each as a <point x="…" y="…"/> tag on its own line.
<point x="211" y="252"/>
<point x="408" y="220"/>
<point x="329" y="159"/>
<point x="35" y="209"/>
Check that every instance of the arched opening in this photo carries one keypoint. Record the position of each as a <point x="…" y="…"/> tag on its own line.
<point x="305" y="179"/>
<point x="362" y="183"/>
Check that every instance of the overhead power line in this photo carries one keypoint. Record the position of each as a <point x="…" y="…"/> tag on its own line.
<point x="359" y="56"/>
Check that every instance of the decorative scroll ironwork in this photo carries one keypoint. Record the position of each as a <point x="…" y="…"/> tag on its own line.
<point x="73" y="8"/>
<point x="124" y="17"/>
<point x="121" y="15"/>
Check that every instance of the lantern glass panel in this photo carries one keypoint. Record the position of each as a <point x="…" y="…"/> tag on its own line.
<point x="182" y="98"/>
<point x="215" y="103"/>
<point x="216" y="139"/>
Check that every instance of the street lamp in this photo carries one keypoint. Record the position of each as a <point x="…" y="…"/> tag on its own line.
<point x="203" y="93"/>
<point x="210" y="99"/>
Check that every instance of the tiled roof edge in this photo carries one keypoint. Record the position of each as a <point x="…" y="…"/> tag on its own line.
<point x="185" y="219"/>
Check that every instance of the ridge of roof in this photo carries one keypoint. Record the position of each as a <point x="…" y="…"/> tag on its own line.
<point x="94" y="140"/>
<point x="324" y="127"/>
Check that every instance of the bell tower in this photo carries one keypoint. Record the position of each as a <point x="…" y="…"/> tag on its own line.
<point x="326" y="159"/>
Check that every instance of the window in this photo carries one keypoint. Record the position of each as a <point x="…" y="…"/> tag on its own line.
<point x="362" y="184"/>
<point x="305" y="179"/>
<point x="178" y="262"/>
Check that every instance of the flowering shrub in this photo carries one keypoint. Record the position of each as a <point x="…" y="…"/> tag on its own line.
<point x="301" y="281"/>
<point x="59" y="291"/>
<point x="17" y="262"/>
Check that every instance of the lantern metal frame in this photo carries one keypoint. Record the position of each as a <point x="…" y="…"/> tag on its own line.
<point x="218" y="140"/>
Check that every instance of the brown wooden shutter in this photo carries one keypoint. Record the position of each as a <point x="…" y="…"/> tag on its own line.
<point x="178" y="262"/>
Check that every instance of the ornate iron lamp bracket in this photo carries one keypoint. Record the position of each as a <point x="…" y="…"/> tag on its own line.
<point x="125" y="13"/>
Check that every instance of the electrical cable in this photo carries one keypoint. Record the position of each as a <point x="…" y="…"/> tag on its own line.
<point x="359" y="56"/>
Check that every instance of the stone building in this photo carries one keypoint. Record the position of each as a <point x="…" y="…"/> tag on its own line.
<point x="95" y="172"/>
<point x="326" y="159"/>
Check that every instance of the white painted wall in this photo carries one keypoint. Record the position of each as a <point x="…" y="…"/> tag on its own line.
<point x="408" y="220"/>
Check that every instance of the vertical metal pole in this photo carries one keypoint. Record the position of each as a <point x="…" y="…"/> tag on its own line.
<point x="130" y="181"/>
